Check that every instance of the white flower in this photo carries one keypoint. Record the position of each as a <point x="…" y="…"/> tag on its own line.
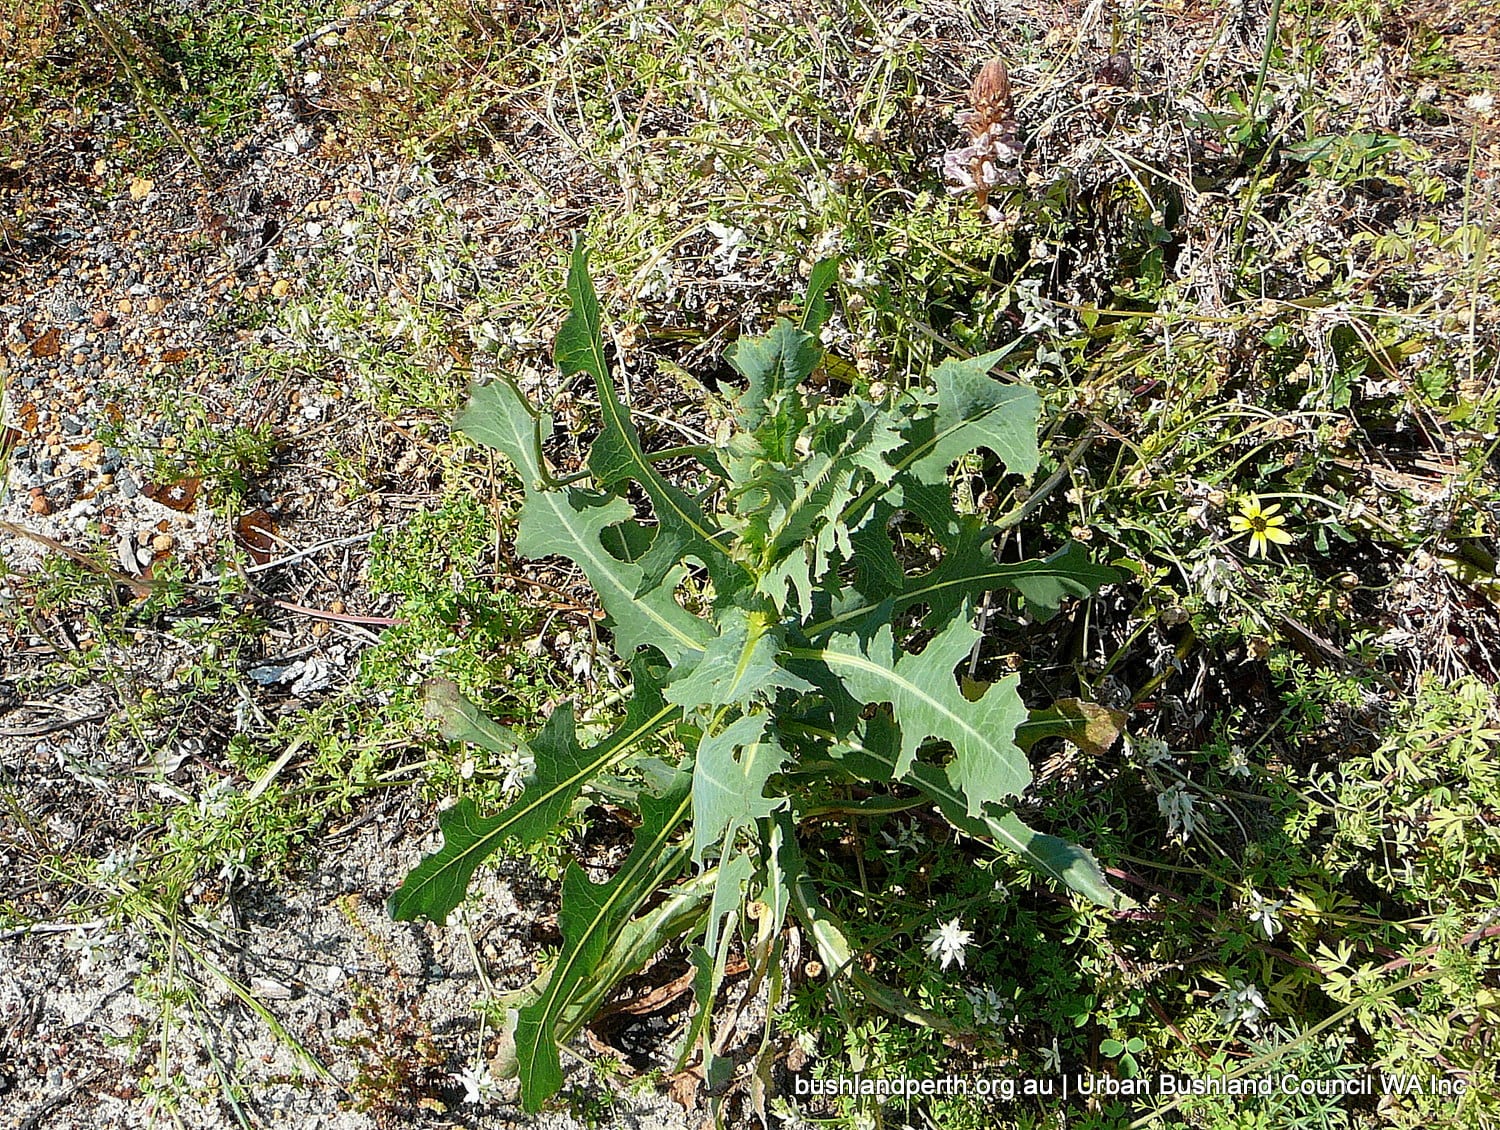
<point x="1238" y="764"/>
<point x="859" y="276"/>
<point x="117" y="862"/>
<point x="1052" y="1058"/>
<point x="1263" y="913"/>
<point x="1176" y="804"/>
<point x="1240" y="1004"/>
<point x="92" y="951"/>
<point x="907" y="838"/>
<point x="946" y="943"/>
<point x="731" y="241"/>
<point x="479" y="1085"/>
<point x="1212" y="578"/>
<point x="1151" y="750"/>
<point x="989" y="1007"/>
<point x="518" y="768"/>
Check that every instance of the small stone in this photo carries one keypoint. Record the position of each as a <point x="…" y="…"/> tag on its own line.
<point x="127" y="485"/>
<point x="124" y="306"/>
<point x="161" y="543"/>
<point x="41" y="505"/>
<point x="281" y="288"/>
<point x="155" y="304"/>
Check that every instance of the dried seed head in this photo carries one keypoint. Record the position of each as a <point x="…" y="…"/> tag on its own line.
<point x="1117" y="70"/>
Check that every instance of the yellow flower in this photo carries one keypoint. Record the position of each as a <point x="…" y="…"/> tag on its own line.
<point x="1262" y="523"/>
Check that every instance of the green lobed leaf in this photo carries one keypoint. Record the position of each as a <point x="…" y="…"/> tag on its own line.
<point x="739" y="664"/>
<point x="926" y="702"/>
<point x="976" y="410"/>
<point x="966" y="570"/>
<point x="970" y="409"/>
<point x="574" y="524"/>
<point x="773" y="364"/>
<point x="872" y="752"/>
<point x="617" y="457"/>
<point x="729" y="779"/>
<point x="437" y="885"/>
<point x="592" y="915"/>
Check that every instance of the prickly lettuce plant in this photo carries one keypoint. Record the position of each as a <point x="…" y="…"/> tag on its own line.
<point x="793" y="674"/>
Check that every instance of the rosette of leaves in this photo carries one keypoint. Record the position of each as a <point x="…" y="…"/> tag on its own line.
<point x="791" y="676"/>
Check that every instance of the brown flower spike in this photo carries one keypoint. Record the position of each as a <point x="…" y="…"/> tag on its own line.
<point x="992" y="128"/>
<point x="991" y="99"/>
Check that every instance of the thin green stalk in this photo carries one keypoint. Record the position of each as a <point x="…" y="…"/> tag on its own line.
<point x="141" y="89"/>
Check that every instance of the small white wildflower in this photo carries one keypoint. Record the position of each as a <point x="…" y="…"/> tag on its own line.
<point x="1151" y="750"/>
<point x="479" y="1085"/>
<point x="1240" y="1004"/>
<point x="1001" y="893"/>
<point x="517" y="770"/>
<point x="1238" y="764"/>
<point x="1212" y="578"/>
<point x="1482" y="103"/>
<point x="732" y="241"/>
<point x="989" y="1007"/>
<point x="946" y="943"/>
<point x="1176" y="804"/>
<point x="118" y="861"/>
<point x="215" y="801"/>
<point x="1263" y="913"/>
<point x="828" y="243"/>
<point x="1052" y="1058"/>
<point x="859" y="276"/>
<point x="91" y="950"/>
<point x="907" y="837"/>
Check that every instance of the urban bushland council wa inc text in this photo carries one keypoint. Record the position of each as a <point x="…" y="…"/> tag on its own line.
<point x="1165" y="1085"/>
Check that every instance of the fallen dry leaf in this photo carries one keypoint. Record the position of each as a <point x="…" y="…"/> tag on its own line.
<point x="178" y="496"/>
<point x="140" y="188"/>
<point x="255" y="534"/>
<point x="48" y="345"/>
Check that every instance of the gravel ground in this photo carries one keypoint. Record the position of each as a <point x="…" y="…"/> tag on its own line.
<point x="130" y="285"/>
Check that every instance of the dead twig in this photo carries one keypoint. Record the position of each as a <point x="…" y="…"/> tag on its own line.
<point x="342" y="24"/>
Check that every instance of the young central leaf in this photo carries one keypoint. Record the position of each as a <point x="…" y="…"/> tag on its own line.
<point x="736" y="665"/>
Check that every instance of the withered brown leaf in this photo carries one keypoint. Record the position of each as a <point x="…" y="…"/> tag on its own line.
<point x="178" y="496"/>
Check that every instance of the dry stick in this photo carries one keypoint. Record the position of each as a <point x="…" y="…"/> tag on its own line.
<point x="141" y="89"/>
<point x="52" y="727"/>
<point x="372" y="9"/>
